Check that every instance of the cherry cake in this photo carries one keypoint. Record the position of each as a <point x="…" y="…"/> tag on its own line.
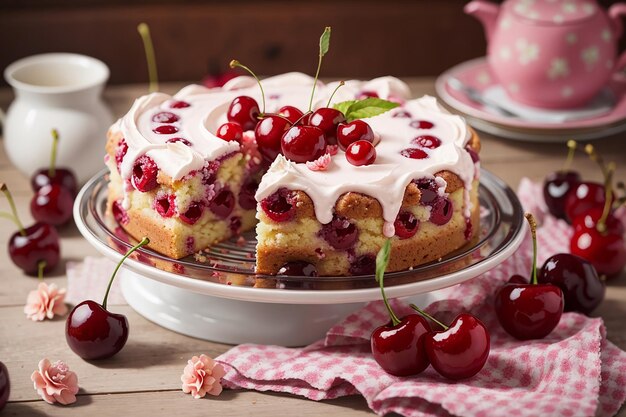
<point x="324" y="192"/>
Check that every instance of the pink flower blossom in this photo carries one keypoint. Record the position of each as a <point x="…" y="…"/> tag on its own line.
<point x="55" y="382"/>
<point x="202" y="375"/>
<point x="45" y="302"/>
<point x="320" y="164"/>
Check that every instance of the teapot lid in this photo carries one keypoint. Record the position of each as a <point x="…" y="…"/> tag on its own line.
<point x="553" y="11"/>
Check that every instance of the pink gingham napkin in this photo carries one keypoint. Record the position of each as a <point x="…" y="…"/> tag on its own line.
<point x="575" y="371"/>
<point x="88" y="280"/>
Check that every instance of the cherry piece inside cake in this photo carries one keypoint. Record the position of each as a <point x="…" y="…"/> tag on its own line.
<point x="325" y="189"/>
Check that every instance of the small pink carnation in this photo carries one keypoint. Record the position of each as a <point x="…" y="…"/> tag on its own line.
<point x="55" y="382"/>
<point x="45" y="302"/>
<point x="320" y="164"/>
<point x="202" y="375"/>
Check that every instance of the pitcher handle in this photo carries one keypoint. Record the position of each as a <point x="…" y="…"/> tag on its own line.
<point x="618" y="80"/>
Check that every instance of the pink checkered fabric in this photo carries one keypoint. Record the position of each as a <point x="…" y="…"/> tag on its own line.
<point x="88" y="280"/>
<point x="575" y="371"/>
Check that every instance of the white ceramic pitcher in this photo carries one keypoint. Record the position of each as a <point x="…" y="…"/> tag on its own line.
<point x="57" y="91"/>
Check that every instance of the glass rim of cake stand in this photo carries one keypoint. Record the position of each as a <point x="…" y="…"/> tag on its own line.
<point x="500" y="210"/>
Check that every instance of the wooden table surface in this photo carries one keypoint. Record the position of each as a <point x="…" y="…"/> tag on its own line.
<point x="144" y="378"/>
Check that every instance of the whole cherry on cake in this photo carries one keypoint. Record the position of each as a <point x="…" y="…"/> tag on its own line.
<point x="529" y="311"/>
<point x="5" y="385"/>
<point x="63" y="177"/>
<point x="558" y="184"/>
<point x="459" y="351"/>
<point x="599" y="236"/>
<point x="33" y="246"/>
<point x="398" y="346"/>
<point x="93" y="332"/>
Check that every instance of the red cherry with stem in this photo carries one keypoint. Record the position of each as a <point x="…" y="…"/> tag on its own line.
<point x="348" y="133"/>
<point x="145" y="173"/>
<point x="529" y="311"/>
<point x="33" y="246"/>
<point x="361" y="153"/>
<point x="268" y="134"/>
<point x="93" y="332"/>
<point x="582" y="288"/>
<point x="459" y="351"/>
<point x="230" y="132"/>
<point x="5" y="385"/>
<point x="327" y="119"/>
<point x="291" y="113"/>
<point x="52" y="204"/>
<point x="398" y="346"/>
<point x="558" y="184"/>
<point x="244" y="111"/>
<point x="303" y="143"/>
<point x="54" y="175"/>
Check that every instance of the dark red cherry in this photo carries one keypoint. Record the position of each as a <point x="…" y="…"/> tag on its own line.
<point x="230" y="132"/>
<point x="555" y="189"/>
<point x="327" y="119"/>
<point x="473" y="154"/>
<point x="145" y="173"/>
<point x="165" y="205"/>
<point x="280" y="206"/>
<point x="39" y="243"/>
<point x="414" y="153"/>
<point x="247" y="201"/>
<point x="245" y="111"/>
<point x="582" y="289"/>
<point x="348" y="133"/>
<point x="367" y="94"/>
<point x="303" y="143"/>
<point x="193" y="213"/>
<point x="223" y="203"/>
<point x="181" y="140"/>
<point x="461" y="350"/>
<point x="63" y="177"/>
<point x="421" y="124"/>
<point x="441" y="211"/>
<point x="429" y="190"/>
<point x="427" y="141"/>
<point x="363" y="265"/>
<point x="119" y="214"/>
<point x="340" y="233"/>
<point x="165" y="129"/>
<point x="165" y="117"/>
<point x="361" y="153"/>
<point x="93" y="332"/>
<point x="268" y="134"/>
<point x="293" y="114"/>
<point x="52" y="204"/>
<point x="120" y="153"/>
<point x="406" y="225"/>
<point x="591" y="217"/>
<point x="5" y="385"/>
<point x="235" y="225"/>
<point x="179" y="104"/>
<point x="298" y="269"/>
<point x="583" y="197"/>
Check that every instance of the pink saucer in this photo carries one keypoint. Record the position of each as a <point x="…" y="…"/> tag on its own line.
<point x="476" y="74"/>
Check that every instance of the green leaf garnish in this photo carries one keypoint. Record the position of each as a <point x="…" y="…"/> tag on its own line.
<point x="325" y="41"/>
<point x="344" y="106"/>
<point x="361" y="109"/>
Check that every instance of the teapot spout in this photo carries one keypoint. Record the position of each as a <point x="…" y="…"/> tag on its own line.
<point x="486" y="12"/>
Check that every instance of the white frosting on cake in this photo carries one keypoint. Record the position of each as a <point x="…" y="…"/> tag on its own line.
<point x="385" y="180"/>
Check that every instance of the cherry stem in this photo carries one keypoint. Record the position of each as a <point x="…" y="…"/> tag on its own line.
<point x="382" y="259"/>
<point x="571" y="150"/>
<point x="143" y="242"/>
<point x="41" y="265"/>
<point x="144" y="32"/>
<point x="608" y="196"/>
<point x="428" y="316"/>
<point x="276" y="115"/>
<point x="595" y="157"/>
<point x="319" y="65"/>
<point x="302" y="117"/>
<point x="341" y="84"/>
<point x="15" y="217"/>
<point x="236" y="64"/>
<point x="53" y="153"/>
<point x="533" y="232"/>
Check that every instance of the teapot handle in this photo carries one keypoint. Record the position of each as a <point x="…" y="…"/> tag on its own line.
<point x="619" y="76"/>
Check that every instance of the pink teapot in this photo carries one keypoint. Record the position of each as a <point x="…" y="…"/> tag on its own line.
<point x="552" y="53"/>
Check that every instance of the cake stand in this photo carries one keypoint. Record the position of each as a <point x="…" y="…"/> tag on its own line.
<point x="212" y="297"/>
